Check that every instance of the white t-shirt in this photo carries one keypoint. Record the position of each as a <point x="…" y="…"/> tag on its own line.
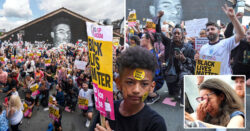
<point x="87" y="95"/>
<point x="220" y="52"/>
<point x="16" y="117"/>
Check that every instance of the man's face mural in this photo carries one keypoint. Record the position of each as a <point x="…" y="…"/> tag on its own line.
<point x="61" y="34"/>
<point x="172" y="10"/>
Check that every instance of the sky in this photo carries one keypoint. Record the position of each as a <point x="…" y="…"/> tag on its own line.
<point x="14" y="13"/>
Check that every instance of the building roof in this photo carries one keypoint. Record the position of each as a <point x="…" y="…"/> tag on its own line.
<point x="60" y="10"/>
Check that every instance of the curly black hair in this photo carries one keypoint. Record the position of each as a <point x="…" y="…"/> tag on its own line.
<point x="136" y="57"/>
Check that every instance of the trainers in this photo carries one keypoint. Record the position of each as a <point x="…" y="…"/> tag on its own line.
<point x="87" y="123"/>
<point x="152" y="100"/>
<point x="181" y="105"/>
<point x="46" y="109"/>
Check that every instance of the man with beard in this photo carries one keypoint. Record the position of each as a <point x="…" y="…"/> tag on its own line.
<point x="219" y="50"/>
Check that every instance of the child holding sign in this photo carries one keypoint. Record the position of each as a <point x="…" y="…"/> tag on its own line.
<point x="85" y="102"/>
<point x="55" y="112"/>
<point x="30" y="102"/>
<point x="136" y="72"/>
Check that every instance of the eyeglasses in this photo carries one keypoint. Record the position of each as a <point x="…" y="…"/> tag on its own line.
<point x="200" y="99"/>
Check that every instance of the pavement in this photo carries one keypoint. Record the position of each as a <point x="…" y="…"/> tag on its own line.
<point x="75" y="121"/>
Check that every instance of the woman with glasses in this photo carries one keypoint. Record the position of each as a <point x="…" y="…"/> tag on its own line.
<point x="218" y="106"/>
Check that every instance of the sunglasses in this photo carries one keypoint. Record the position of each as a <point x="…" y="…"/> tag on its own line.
<point x="200" y="99"/>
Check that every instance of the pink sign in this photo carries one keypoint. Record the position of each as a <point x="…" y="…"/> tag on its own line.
<point x="104" y="102"/>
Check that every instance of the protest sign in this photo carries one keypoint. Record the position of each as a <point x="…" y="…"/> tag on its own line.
<point x="12" y="57"/>
<point x="83" y="103"/>
<point x="2" y="59"/>
<point x="150" y="25"/>
<point x="193" y="27"/>
<point x="101" y="61"/>
<point x="207" y="67"/>
<point x="50" y="101"/>
<point x="34" y="90"/>
<point x="199" y="42"/>
<point x="38" y="54"/>
<point x="31" y="54"/>
<point x="54" y="113"/>
<point x="116" y="41"/>
<point x="19" y="57"/>
<point x="132" y="18"/>
<point x="245" y="20"/>
<point x="47" y="62"/>
<point x="80" y="64"/>
<point x="26" y="110"/>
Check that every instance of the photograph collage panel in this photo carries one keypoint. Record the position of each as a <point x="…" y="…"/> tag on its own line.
<point x="124" y="65"/>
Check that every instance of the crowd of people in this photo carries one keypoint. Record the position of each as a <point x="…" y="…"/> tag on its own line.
<point x="34" y="74"/>
<point x="177" y="54"/>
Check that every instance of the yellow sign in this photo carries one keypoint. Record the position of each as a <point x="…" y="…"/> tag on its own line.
<point x="139" y="74"/>
<point x="207" y="67"/>
<point x="83" y="102"/>
<point x="47" y="61"/>
<point x="131" y="31"/>
<point x="54" y="112"/>
<point x="150" y="25"/>
<point x="39" y="54"/>
<point x="25" y="107"/>
<point x="2" y="58"/>
<point x="50" y="100"/>
<point x="101" y="60"/>
<point x="34" y="87"/>
<point x="132" y="17"/>
<point x="31" y="54"/>
<point x="20" y="57"/>
<point x="116" y="41"/>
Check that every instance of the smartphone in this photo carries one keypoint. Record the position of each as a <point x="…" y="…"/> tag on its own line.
<point x="177" y="50"/>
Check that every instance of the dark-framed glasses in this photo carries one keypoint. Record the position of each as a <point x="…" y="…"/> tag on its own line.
<point x="200" y="99"/>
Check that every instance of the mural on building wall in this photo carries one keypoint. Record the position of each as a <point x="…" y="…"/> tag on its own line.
<point x="180" y="10"/>
<point x="61" y="31"/>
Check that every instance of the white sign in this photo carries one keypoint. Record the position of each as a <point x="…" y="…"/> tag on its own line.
<point x="245" y="20"/>
<point x="80" y="64"/>
<point x="193" y="27"/>
<point x="199" y="42"/>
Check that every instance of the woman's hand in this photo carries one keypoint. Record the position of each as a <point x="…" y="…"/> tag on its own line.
<point x="202" y="110"/>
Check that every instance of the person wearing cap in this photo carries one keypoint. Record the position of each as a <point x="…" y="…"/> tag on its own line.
<point x="239" y="86"/>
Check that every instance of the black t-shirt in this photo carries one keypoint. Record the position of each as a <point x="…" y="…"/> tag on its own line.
<point x="241" y="57"/>
<point x="52" y="68"/>
<point x="145" y="120"/>
<point x="29" y="101"/>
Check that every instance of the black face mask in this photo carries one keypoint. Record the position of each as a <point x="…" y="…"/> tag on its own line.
<point x="212" y="37"/>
